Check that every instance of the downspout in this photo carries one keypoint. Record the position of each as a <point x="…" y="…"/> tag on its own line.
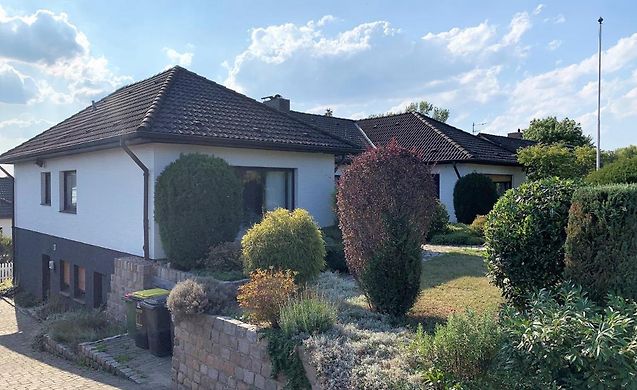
<point x="146" y="171"/>
<point x="13" y="235"/>
<point x="455" y="168"/>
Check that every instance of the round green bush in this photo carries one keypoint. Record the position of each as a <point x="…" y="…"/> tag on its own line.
<point x="439" y="219"/>
<point x="623" y="170"/>
<point x="474" y="194"/>
<point x="601" y="243"/>
<point x="525" y="234"/>
<point x="285" y="240"/>
<point x="198" y="204"/>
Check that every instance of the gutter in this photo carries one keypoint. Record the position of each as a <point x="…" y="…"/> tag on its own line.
<point x="13" y="235"/>
<point x="146" y="171"/>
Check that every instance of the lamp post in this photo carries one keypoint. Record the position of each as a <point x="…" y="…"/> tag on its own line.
<point x="598" y="162"/>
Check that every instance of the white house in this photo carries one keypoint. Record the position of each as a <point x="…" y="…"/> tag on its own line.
<point x="84" y="188"/>
<point x="6" y="206"/>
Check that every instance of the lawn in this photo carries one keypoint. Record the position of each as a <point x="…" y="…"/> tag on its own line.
<point x="453" y="282"/>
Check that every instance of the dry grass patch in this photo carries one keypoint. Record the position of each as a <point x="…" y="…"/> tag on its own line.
<point x="454" y="282"/>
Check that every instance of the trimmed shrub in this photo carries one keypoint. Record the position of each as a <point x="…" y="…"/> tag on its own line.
<point x="197" y="205"/>
<point x="334" y="249"/>
<point x="439" y="220"/>
<point x="285" y="240"/>
<point x="223" y="257"/>
<point x="307" y="314"/>
<point x="478" y="224"/>
<point x="474" y="194"/>
<point x="464" y="348"/>
<point x="621" y="171"/>
<point x="457" y="238"/>
<point x="265" y="293"/>
<point x="564" y="340"/>
<point x="399" y="186"/>
<point x="391" y="279"/>
<point x="601" y="243"/>
<point x="525" y="235"/>
<point x="187" y="298"/>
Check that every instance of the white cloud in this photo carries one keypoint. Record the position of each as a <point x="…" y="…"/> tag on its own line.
<point x="176" y="58"/>
<point x="538" y="9"/>
<point x="15" y="87"/>
<point x="41" y="37"/>
<point x="559" y="19"/>
<point x="464" y="41"/>
<point x="554" y="44"/>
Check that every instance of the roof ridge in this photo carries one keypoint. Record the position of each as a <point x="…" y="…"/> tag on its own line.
<point x="384" y="116"/>
<point x="154" y="106"/>
<point x="424" y="119"/>
<point x="324" y="116"/>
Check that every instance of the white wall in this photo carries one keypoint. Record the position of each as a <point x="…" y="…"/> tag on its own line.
<point x="448" y="179"/>
<point x="109" y="199"/>
<point x="314" y="177"/>
<point x="5" y="225"/>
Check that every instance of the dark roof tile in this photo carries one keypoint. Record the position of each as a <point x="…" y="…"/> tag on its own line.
<point x="509" y="143"/>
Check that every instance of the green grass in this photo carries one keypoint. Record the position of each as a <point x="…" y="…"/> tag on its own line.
<point x="457" y="234"/>
<point x="451" y="283"/>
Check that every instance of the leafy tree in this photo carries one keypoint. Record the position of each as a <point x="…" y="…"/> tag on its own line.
<point x="551" y="131"/>
<point x="543" y="161"/>
<point x="329" y="112"/>
<point x="624" y="170"/>
<point x="626" y="152"/>
<point x="424" y="107"/>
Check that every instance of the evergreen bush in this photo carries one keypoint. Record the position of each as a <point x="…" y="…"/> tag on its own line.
<point x="624" y="170"/>
<point x="474" y="194"/>
<point x="285" y="240"/>
<point x="601" y="243"/>
<point x="525" y="234"/>
<point x="197" y="205"/>
<point x="439" y="220"/>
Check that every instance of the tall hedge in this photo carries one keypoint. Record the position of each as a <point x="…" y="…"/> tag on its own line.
<point x="525" y="234"/>
<point x="601" y="247"/>
<point x="621" y="171"/>
<point x="473" y="194"/>
<point x="385" y="184"/>
<point x="198" y="204"/>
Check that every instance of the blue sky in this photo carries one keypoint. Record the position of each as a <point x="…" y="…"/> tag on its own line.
<point x="502" y="63"/>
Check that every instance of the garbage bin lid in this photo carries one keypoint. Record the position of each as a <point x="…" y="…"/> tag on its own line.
<point x="150" y="293"/>
<point x="159" y="301"/>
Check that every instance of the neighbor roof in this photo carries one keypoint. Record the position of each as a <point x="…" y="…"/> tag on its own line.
<point x="346" y="129"/>
<point x="435" y="141"/>
<point x="6" y="197"/>
<point x="179" y="106"/>
<point x="509" y="143"/>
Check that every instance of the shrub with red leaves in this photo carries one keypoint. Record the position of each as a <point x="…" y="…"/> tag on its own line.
<point x="384" y="184"/>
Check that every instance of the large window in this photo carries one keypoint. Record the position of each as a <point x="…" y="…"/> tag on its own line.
<point x="45" y="188"/>
<point x="65" y="276"/>
<point x="69" y="191"/>
<point x="80" y="281"/>
<point x="265" y="189"/>
<point x="502" y="183"/>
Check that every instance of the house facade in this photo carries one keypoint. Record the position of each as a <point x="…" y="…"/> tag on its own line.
<point x="6" y="206"/>
<point x="85" y="187"/>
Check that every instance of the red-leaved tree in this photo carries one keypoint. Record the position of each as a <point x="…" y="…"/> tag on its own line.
<point x="385" y="204"/>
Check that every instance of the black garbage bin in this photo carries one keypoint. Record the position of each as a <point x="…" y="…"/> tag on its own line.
<point x="158" y="325"/>
<point x="135" y="321"/>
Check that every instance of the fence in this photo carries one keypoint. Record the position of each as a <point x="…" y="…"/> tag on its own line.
<point x="6" y="271"/>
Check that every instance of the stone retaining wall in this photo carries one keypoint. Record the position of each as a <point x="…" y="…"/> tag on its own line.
<point x="212" y="352"/>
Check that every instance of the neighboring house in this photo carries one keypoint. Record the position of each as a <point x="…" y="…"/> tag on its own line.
<point x="84" y="197"/>
<point x="6" y="206"/>
<point x="452" y="152"/>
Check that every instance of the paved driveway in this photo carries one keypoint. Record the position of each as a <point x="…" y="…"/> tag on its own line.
<point x="23" y="368"/>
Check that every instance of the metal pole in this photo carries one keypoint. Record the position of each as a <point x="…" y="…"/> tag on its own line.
<point x="599" y="94"/>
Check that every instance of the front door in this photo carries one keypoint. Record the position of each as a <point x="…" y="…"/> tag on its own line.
<point x="46" y="277"/>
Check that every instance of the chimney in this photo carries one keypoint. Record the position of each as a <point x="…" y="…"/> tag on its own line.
<point x="515" y="134"/>
<point x="278" y="102"/>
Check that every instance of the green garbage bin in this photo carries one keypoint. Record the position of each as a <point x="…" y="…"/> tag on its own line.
<point x="134" y="315"/>
<point x="158" y="325"/>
